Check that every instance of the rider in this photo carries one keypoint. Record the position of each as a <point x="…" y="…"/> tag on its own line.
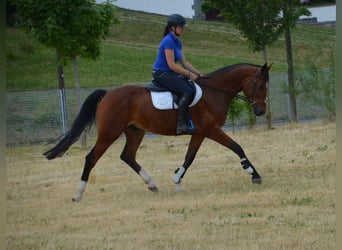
<point x="171" y="75"/>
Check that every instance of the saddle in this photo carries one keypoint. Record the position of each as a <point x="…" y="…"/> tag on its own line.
<point x="164" y="99"/>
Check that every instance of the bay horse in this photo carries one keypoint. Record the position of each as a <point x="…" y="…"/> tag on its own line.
<point x="129" y="110"/>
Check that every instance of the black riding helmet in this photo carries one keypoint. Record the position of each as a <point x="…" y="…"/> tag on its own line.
<point x="176" y="20"/>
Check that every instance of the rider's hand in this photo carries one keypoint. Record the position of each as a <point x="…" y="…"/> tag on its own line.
<point x="193" y="76"/>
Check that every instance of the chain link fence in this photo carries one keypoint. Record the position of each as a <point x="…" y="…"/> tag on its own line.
<point x="34" y="117"/>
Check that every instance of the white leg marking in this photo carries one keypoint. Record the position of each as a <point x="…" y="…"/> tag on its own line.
<point x="80" y="191"/>
<point x="243" y="159"/>
<point x="178" y="175"/>
<point x="249" y="170"/>
<point x="147" y="178"/>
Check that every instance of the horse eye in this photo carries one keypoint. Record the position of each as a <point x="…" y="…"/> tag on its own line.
<point x="261" y="87"/>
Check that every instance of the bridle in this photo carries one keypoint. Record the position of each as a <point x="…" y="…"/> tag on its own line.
<point x="254" y="96"/>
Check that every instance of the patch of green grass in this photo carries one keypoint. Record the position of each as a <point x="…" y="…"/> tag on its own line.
<point x="322" y="148"/>
<point x="248" y="215"/>
<point x="298" y="202"/>
<point x="129" y="51"/>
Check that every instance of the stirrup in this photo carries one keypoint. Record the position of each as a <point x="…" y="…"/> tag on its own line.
<point x="187" y="127"/>
<point x="192" y="127"/>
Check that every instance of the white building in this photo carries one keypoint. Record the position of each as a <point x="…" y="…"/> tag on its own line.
<point x="324" y="14"/>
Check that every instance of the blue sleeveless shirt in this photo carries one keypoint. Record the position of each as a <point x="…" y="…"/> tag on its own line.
<point x="170" y="41"/>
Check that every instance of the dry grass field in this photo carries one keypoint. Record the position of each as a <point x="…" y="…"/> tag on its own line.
<point x="219" y="207"/>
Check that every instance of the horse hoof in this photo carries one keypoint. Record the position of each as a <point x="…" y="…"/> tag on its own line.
<point x="153" y="189"/>
<point x="256" y="181"/>
<point x="178" y="187"/>
<point x="76" y="199"/>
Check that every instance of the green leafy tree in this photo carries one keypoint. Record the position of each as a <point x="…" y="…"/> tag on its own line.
<point x="74" y="28"/>
<point x="236" y="110"/>
<point x="292" y="10"/>
<point x="261" y="22"/>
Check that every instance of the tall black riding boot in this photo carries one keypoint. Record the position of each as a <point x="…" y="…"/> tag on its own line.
<point x="183" y="123"/>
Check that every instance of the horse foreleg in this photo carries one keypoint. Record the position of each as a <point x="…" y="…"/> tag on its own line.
<point x="134" y="137"/>
<point x="219" y="136"/>
<point x="194" y="145"/>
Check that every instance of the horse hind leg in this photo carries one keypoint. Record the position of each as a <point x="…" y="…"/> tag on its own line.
<point x="100" y="147"/>
<point x="85" y="176"/>
<point x="134" y="137"/>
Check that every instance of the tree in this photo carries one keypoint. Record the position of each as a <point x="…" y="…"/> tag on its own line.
<point x="261" y="22"/>
<point x="237" y="109"/>
<point x="74" y="28"/>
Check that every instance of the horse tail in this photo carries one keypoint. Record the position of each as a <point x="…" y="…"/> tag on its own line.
<point x="86" y="117"/>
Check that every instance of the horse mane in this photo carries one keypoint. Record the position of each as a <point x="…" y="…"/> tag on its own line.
<point x="229" y="68"/>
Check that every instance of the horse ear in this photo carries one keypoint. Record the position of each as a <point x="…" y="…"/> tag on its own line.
<point x="266" y="68"/>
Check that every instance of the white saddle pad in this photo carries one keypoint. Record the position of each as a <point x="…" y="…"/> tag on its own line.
<point x="164" y="100"/>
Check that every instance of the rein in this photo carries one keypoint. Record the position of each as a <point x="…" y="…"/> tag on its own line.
<point x="241" y="97"/>
<point x="213" y="88"/>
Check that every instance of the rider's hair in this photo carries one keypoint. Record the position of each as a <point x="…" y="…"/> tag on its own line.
<point x="166" y="30"/>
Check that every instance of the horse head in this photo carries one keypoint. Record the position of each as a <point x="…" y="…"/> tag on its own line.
<point x="255" y="89"/>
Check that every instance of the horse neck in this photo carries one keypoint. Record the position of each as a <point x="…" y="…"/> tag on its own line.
<point x="228" y="82"/>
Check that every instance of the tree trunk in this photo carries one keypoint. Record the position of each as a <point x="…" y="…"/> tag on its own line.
<point x="290" y="75"/>
<point x="268" y="107"/>
<point x="62" y="98"/>
<point x="83" y="137"/>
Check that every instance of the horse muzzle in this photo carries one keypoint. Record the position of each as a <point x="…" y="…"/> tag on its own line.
<point x="258" y="110"/>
